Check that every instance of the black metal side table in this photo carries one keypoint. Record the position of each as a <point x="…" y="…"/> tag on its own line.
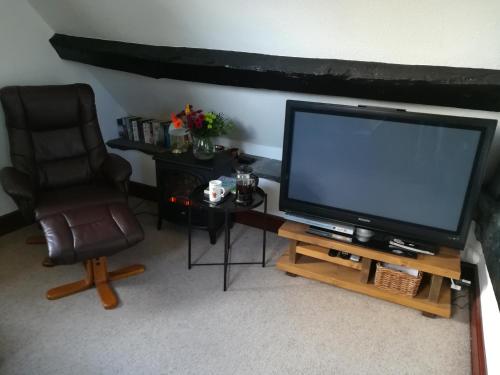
<point x="228" y="206"/>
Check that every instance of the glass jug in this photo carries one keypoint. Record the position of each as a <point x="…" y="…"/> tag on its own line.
<point x="179" y="139"/>
<point x="246" y="182"/>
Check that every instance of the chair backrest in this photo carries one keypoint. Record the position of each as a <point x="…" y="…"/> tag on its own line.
<point x="54" y="133"/>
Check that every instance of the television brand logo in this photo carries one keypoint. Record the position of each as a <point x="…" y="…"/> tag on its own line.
<point x="364" y="220"/>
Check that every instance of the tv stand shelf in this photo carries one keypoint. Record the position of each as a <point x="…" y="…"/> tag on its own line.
<point x="308" y="257"/>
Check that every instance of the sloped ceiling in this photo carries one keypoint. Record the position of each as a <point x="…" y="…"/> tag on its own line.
<point x="447" y="34"/>
<point x="444" y="33"/>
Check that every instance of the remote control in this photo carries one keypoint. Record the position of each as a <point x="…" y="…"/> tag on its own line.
<point x="333" y="252"/>
<point x="345" y="255"/>
<point x="355" y="258"/>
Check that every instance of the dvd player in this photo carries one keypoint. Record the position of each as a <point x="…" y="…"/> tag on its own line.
<point x="341" y="228"/>
<point x="334" y="235"/>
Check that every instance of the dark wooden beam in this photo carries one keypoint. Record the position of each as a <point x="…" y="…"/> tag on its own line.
<point x="422" y="84"/>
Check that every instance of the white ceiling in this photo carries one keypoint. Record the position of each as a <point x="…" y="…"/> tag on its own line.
<point x="445" y="32"/>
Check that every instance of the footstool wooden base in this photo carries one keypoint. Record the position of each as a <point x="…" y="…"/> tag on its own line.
<point x="97" y="275"/>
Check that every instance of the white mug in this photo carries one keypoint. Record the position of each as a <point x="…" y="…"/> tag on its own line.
<point x="215" y="190"/>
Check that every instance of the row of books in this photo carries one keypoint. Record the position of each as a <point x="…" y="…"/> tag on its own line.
<point x="149" y="131"/>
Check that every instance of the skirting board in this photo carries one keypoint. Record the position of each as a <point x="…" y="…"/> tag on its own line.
<point x="143" y="191"/>
<point x="256" y="219"/>
<point x="478" y="355"/>
<point x="11" y="222"/>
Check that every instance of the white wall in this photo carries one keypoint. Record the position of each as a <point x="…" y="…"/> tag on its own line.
<point x="444" y="32"/>
<point x="28" y="59"/>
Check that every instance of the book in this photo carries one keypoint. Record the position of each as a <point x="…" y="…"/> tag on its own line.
<point x="142" y="135"/>
<point x="127" y="126"/>
<point x="135" y="128"/>
<point x="157" y="130"/>
<point x="165" y="135"/>
<point x="228" y="183"/>
<point x="130" y="131"/>
<point x="122" y="127"/>
<point x="147" y="131"/>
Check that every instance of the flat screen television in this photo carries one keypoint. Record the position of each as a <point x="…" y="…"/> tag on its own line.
<point x="414" y="175"/>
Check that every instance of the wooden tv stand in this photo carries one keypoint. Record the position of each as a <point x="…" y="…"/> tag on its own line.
<point x="308" y="257"/>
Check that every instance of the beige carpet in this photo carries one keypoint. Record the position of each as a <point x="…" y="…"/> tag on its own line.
<point x="174" y="321"/>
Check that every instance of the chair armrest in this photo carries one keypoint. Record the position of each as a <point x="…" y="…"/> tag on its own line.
<point x="19" y="187"/>
<point x="117" y="170"/>
<point x="17" y="184"/>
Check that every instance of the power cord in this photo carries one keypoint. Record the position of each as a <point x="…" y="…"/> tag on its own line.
<point x="138" y="205"/>
<point x="142" y="212"/>
<point x="145" y="213"/>
<point x="457" y="298"/>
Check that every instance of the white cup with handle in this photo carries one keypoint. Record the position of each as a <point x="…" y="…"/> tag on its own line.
<point x="215" y="191"/>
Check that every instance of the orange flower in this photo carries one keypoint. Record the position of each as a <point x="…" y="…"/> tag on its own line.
<point x="176" y="121"/>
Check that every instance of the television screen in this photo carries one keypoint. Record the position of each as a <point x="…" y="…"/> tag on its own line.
<point x="415" y="171"/>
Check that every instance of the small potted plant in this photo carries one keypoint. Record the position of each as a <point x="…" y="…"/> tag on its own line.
<point x="203" y="127"/>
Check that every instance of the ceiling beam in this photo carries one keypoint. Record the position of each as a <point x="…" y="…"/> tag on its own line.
<point x="422" y="84"/>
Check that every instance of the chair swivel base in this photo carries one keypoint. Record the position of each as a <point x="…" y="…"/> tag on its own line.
<point x="97" y="275"/>
<point x="37" y="239"/>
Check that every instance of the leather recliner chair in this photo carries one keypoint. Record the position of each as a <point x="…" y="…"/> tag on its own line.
<point x="63" y="177"/>
<point x="59" y="160"/>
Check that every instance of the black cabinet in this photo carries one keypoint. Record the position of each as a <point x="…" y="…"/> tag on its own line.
<point x="177" y="175"/>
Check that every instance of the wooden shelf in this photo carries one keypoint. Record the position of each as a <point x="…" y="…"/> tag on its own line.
<point x="126" y="144"/>
<point x="348" y="278"/>
<point x="445" y="263"/>
<point x="319" y="252"/>
<point x="308" y="257"/>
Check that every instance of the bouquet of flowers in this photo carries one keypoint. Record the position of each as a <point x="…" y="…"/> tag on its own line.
<point x="202" y="124"/>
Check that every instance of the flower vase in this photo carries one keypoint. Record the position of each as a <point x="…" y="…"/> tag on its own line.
<point x="179" y="140"/>
<point x="203" y="148"/>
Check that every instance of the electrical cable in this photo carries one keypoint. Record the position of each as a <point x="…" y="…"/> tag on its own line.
<point x="138" y="205"/>
<point x="145" y="213"/>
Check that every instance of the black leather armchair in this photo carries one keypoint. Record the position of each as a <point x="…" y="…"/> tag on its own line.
<point x="55" y="145"/>
<point x="63" y="177"/>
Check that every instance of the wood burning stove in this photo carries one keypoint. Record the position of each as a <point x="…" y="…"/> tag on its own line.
<point x="177" y="175"/>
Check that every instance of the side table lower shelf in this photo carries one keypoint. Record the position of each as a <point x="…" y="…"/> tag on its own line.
<point x="349" y="278"/>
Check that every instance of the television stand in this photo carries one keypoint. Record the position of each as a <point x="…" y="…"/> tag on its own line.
<point x="307" y="256"/>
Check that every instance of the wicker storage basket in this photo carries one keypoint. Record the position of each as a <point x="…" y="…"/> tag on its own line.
<point x="396" y="281"/>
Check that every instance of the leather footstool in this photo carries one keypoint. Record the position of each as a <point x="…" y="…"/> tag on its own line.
<point x="90" y="234"/>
